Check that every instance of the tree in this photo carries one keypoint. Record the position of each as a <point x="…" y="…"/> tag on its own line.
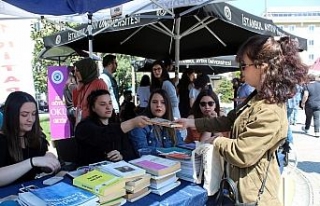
<point x="226" y="90"/>
<point x="40" y="66"/>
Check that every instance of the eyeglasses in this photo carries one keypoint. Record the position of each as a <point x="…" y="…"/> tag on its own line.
<point x="243" y="66"/>
<point x="210" y="104"/>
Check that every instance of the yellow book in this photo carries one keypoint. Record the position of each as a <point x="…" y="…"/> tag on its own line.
<point x="99" y="182"/>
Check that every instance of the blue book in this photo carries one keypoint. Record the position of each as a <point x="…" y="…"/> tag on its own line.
<point x="62" y="194"/>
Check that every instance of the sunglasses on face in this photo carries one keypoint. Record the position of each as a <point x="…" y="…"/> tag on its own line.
<point x="243" y="66"/>
<point x="203" y="104"/>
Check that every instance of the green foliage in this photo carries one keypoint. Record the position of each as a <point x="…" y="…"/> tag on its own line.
<point x="40" y="66"/>
<point x="226" y="90"/>
<point x="45" y="125"/>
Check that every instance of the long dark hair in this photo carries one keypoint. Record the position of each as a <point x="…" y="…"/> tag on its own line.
<point x="167" y="115"/>
<point x="196" y="111"/>
<point x="11" y="125"/>
<point x="280" y="64"/>
<point x="92" y="98"/>
<point x="156" y="83"/>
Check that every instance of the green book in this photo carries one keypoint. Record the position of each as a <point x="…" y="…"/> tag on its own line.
<point x="98" y="182"/>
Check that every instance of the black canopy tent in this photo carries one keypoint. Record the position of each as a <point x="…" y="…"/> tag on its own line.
<point x="214" y="65"/>
<point x="193" y="32"/>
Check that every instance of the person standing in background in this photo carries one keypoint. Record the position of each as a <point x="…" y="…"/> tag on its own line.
<point x="311" y="104"/>
<point x="244" y="90"/>
<point x="184" y="87"/>
<point x="86" y="72"/>
<point x="294" y="104"/>
<point x="71" y="85"/>
<point x="110" y="65"/>
<point x="127" y="108"/>
<point x="160" y="80"/>
<point x="143" y="93"/>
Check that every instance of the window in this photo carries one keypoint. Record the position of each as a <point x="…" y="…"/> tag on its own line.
<point x="291" y="27"/>
<point x="311" y="28"/>
<point x="311" y="57"/>
<point x="310" y="42"/>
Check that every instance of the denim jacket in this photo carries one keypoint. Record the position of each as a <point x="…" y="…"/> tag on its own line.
<point x="146" y="138"/>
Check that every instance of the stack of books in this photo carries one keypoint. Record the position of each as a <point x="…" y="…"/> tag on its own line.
<point x="109" y="188"/>
<point x="163" y="172"/>
<point x="60" y="194"/>
<point x="136" y="179"/>
<point x="188" y="166"/>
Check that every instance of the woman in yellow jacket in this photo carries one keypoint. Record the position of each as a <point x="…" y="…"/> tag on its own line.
<point x="259" y="124"/>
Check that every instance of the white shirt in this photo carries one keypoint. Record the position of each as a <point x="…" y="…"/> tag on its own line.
<point x="107" y="80"/>
<point x="143" y="94"/>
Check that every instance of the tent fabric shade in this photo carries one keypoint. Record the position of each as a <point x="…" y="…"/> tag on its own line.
<point x="222" y="29"/>
<point x="64" y="7"/>
<point x="214" y="65"/>
<point x="60" y="53"/>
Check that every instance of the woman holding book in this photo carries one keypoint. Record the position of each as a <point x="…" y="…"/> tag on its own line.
<point x="23" y="146"/>
<point x="259" y="124"/>
<point x="98" y="139"/>
<point x="205" y="105"/>
<point x="146" y="140"/>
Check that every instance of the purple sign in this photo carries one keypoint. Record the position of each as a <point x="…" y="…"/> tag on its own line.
<point x="59" y="124"/>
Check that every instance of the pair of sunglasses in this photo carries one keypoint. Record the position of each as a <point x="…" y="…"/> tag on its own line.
<point x="203" y="104"/>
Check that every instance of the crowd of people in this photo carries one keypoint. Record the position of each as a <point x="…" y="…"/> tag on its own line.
<point x="246" y="138"/>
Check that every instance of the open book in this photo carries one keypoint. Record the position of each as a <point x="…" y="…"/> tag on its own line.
<point x="164" y="122"/>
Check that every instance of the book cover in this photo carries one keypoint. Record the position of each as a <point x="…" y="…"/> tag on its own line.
<point x="156" y="165"/>
<point x="157" y="184"/>
<point x="175" y="152"/>
<point x="138" y="184"/>
<point x="164" y="122"/>
<point x="138" y="195"/>
<point x="99" y="182"/>
<point x="166" y="189"/>
<point x="62" y="194"/>
<point x="123" y="169"/>
<point x="112" y="196"/>
<point x="115" y="202"/>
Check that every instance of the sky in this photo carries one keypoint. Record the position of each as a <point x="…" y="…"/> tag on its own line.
<point x="257" y="7"/>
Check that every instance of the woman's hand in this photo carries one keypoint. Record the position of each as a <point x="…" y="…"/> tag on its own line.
<point x="47" y="161"/>
<point x="114" y="156"/>
<point x="141" y="121"/>
<point x="186" y="123"/>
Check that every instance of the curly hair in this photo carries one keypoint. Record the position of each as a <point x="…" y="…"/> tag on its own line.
<point x="281" y="66"/>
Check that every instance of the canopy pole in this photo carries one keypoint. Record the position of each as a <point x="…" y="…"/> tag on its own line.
<point x="90" y="36"/>
<point x="177" y="47"/>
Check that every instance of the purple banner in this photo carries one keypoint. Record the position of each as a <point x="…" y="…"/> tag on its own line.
<point x="59" y="124"/>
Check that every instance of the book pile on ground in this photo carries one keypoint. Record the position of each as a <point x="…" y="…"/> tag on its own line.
<point x="163" y="172"/>
<point x="60" y="194"/>
<point x="109" y="188"/>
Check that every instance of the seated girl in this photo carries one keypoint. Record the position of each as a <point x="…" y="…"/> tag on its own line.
<point x="98" y="139"/>
<point x="205" y="105"/>
<point x="150" y="137"/>
<point x="23" y="146"/>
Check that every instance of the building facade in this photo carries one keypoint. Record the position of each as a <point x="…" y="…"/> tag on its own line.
<point x="300" y="21"/>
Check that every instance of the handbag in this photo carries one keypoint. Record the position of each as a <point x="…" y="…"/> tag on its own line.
<point x="228" y="194"/>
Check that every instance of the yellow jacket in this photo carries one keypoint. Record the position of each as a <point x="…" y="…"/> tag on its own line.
<point x="258" y="129"/>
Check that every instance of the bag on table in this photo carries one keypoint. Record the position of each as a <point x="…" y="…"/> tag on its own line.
<point x="210" y="167"/>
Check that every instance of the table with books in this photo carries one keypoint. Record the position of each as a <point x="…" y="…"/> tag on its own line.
<point x="123" y="184"/>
